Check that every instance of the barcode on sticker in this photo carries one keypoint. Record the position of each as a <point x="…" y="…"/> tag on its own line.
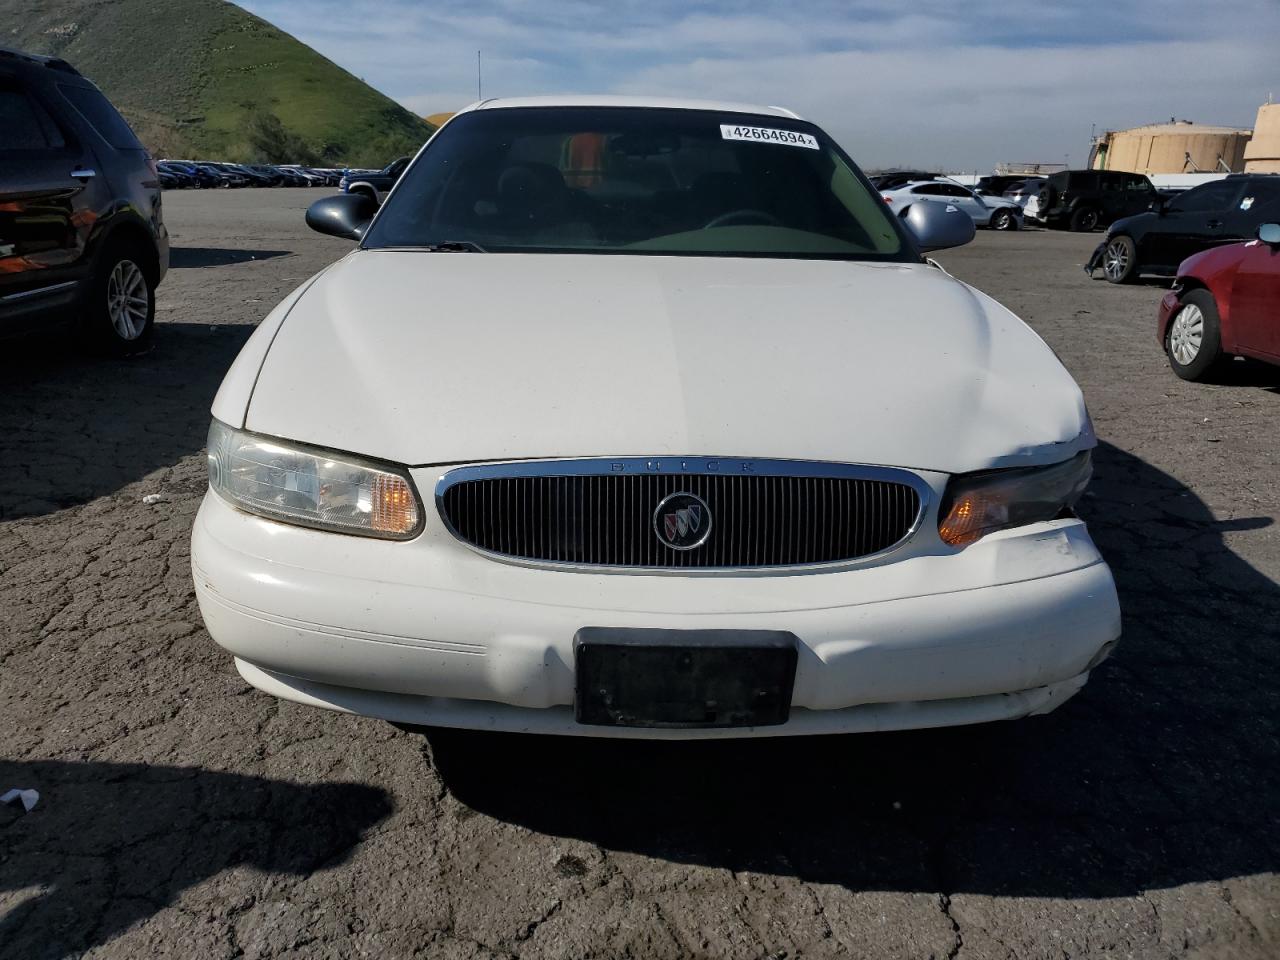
<point x="790" y="138"/>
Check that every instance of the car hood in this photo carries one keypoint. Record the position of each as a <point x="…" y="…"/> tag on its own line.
<point x="426" y="358"/>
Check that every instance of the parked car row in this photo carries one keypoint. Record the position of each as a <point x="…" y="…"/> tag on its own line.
<point x="375" y="184"/>
<point x="1220" y="241"/>
<point x="179" y="174"/>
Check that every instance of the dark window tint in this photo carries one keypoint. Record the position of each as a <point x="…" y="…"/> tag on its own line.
<point x="1207" y="197"/>
<point x="24" y="125"/>
<point x="951" y="190"/>
<point x="102" y="116"/>
<point x="1137" y="182"/>
<point x="928" y="189"/>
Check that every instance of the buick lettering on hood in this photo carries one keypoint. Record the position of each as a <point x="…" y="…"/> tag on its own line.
<point x="645" y="418"/>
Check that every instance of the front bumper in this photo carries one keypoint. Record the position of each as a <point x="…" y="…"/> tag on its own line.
<point x="431" y="633"/>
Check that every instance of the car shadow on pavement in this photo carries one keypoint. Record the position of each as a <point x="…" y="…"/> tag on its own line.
<point x="1163" y="771"/>
<point x="108" y="845"/>
<point x="183" y="257"/>
<point x="74" y="427"/>
<point x="1245" y="372"/>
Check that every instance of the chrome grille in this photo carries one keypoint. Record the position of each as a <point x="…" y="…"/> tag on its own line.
<point x="600" y="513"/>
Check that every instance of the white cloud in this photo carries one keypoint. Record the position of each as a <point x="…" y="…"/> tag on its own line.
<point x="931" y="83"/>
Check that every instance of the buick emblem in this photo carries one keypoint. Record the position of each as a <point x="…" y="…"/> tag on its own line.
<point x="682" y="521"/>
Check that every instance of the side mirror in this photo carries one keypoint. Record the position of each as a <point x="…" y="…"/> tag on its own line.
<point x="347" y="215"/>
<point x="1269" y="233"/>
<point x="937" y="226"/>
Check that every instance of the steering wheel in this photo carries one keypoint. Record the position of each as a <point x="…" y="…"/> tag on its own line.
<point x="743" y="217"/>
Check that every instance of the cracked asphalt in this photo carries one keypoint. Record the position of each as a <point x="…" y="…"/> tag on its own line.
<point x="183" y="814"/>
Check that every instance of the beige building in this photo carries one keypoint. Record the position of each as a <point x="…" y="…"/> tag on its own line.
<point x="1262" y="155"/>
<point x="1177" y="147"/>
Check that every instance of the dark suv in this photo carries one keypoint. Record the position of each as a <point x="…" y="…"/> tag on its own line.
<point x="1087" y="199"/>
<point x="1213" y="214"/>
<point x="81" y="236"/>
<point x="375" y="185"/>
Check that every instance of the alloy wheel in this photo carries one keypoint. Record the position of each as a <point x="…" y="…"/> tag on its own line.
<point x="1186" y="336"/>
<point x="128" y="300"/>
<point x="1115" y="261"/>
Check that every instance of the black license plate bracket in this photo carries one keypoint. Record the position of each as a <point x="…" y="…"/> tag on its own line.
<point x="683" y="678"/>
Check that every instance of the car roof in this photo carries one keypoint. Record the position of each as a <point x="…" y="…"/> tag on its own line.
<point x="36" y="60"/>
<point x="916" y="183"/>
<point x="601" y="100"/>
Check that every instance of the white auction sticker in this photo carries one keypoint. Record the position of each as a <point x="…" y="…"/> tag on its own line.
<point x="790" y="138"/>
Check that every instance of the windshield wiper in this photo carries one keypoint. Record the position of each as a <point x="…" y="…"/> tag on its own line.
<point x="454" y="246"/>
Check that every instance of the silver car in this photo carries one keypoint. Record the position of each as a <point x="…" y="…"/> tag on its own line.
<point x="994" y="212"/>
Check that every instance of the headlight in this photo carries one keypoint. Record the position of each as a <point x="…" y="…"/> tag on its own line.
<point x="980" y="503"/>
<point x="310" y="486"/>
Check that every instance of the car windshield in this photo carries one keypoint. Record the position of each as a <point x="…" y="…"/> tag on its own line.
<point x="637" y="180"/>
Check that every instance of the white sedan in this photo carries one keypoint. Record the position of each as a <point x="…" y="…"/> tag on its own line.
<point x="994" y="212"/>
<point x="646" y="418"/>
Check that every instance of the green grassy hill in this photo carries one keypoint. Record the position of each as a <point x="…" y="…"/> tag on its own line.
<point x="206" y="78"/>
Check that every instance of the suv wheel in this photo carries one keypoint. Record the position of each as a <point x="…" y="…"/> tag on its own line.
<point x="122" y="309"/>
<point x="1003" y="220"/>
<point x="1194" y="342"/>
<point x="1084" y="220"/>
<point x="1119" y="260"/>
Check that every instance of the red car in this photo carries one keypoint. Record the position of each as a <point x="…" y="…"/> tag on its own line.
<point x="1225" y="303"/>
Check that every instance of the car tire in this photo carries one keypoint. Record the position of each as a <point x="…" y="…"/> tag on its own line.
<point x="120" y="314"/>
<point x="1193" y="342"/>
<point x="1084" y="220"/>
<point x="1120" y="260"/>
<point x="1003" y="220"/>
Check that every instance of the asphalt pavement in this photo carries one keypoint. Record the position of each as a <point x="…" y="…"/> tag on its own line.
<point x="184" y="814"/>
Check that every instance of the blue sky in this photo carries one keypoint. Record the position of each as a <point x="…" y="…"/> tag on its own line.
<point x="929" y="82"/>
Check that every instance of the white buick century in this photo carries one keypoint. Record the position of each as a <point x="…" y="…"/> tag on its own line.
<point x="646" y="418"/>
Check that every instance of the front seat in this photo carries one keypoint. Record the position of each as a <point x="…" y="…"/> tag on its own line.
<point x="535" y="194"/>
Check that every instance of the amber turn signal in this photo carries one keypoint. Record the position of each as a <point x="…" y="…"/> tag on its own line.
<point x="977" y="504"/>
